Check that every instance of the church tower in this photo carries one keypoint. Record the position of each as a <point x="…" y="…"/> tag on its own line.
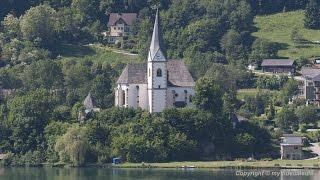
<point x="156" y="72"/>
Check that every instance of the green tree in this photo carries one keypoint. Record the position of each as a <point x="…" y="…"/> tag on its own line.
<point x="245" y="142"/>
<point x="262" y="49"/>
<point x="11" y="26"/>
<point x="52" y="132"/>
<point x="286" y="118"/>
<point x="290" y="89"/>
<point x="38" y="25"/>
<point x="307" y="114"/>
<point x="73" y="145"/>
<point x="271" y="111"/>
<point x="67" y="25"/>
<point x="43" y="74"/>
<point x="27" y="117"/>
<point x="251" y="139"/>
<point x="101" y="91"/>
<point x="208" y="95"/>
<point x="232" y="44"/>
<point x="312" y="15"/>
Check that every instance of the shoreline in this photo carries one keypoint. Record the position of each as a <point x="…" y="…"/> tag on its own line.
<point x="273" y="164"/>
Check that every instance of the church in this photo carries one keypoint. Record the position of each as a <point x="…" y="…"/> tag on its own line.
<point x="157" y="84"/>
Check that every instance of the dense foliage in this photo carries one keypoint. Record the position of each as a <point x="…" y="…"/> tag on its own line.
<point x="312" y="15"/>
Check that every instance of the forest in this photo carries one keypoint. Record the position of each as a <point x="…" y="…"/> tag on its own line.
<point x="43" y="88"/>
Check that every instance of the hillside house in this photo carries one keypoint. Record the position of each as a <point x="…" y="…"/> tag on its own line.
<point x="278" y="66"/>
<point x="291" y="147"/>
<point x="310" y="85"/>
<point x="120" y="25"/>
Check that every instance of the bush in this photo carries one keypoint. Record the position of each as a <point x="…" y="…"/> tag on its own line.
<point x="303" y="128"/>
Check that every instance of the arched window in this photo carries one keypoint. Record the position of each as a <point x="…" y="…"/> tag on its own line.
<point x="159" y="73"/>
<point x="138" y="101"/>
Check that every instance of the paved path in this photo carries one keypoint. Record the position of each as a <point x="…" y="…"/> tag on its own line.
<point x="123" y="52"/>
<point x="113" y="50"/>
<point x="315" y="148"/>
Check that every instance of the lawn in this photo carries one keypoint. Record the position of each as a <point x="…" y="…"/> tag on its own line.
<point x="229" y="164"/>
<point x="278" y="27"/>
<point x="241" y="93"/>
<point x="95" y="53"/>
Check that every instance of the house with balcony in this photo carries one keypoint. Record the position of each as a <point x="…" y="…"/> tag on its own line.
<point x="310" y="85"/>
<point x="285" y="66"/>
<point x="119" y="26"/>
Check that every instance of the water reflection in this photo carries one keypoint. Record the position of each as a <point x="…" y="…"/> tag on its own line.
<point x="153" y="174"/>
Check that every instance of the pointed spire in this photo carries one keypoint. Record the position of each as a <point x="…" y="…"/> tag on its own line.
<point x="88" y="102"/>
<point x="155" y="42"/>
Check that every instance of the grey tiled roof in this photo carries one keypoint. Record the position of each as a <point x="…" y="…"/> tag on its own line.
<point x="133" y="74"/>
<point x="309" y="72"/>
<point x="128" y="18"/>
<point x="277" y="62"/>
<point x="178" y="74"/>
<point x="316" y="78"/>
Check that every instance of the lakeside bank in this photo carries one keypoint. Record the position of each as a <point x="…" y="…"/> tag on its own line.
<point x="276" y="164"/>
<point x="282" y="164"/>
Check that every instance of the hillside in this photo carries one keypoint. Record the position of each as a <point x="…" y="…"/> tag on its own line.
<point x="278" y="27"/>
<point x="95" y="53"/>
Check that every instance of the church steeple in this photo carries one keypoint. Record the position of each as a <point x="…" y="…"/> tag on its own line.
<point x="157" y="72"/>
<point x="155" y="41"/>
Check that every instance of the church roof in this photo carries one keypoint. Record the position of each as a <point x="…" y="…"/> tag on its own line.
<point x="88" y="102"/>
<point x="155" y="41"/>
<point x="178" y="74"/>
<point x="133" y="74"/>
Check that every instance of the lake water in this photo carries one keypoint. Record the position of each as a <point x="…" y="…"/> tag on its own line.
<point x="153" y="174"/>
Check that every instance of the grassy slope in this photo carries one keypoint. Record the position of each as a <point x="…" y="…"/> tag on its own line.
<point x="278" y="28"/>
<point x="251" y="92"/>
<point x="95" y="53"/>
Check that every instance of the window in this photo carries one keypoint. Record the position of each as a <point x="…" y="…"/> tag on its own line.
<point x="159" y="73"/>
<point x="159" y="86"/>
<point x="173" y="96"/>
<point x="115" y="28"/>
<point x="185" y="96"/>
<point x="137" y="88"/>
<point x="149" y="72"/>
<point x="190" y="99"/>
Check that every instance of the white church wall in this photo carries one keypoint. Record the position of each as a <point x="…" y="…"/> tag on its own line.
<point x="116" y="96"/>
<point x="143" y="96"/>
<point x="120" y="97"/>
<point x="134" y="96"/>
<point x="182" y="94"/>
<point x="159" y="99"/>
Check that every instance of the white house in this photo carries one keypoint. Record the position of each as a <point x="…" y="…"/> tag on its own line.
<point x="291" y="147"/>
<point x="120" y="25"/>
<point x="157" y="84"/>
